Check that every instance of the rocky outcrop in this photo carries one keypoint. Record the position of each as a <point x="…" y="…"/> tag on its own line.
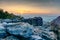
<point x="36" y="21"/>
<point x="55" y="26"/>
<point x="25" y="31"/>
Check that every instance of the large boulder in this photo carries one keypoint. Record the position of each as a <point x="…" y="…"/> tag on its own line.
<point x="23" y="29"/>
<point x="36" y="21"/>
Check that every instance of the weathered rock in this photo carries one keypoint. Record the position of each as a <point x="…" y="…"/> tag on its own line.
<point x="24" y="30"/>
<point x="2" y="31"/>
<point x="36" y="21"/>
<point x="55" y="27"/>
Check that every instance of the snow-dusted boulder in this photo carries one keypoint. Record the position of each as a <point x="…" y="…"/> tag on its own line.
<point x="23" y="29"/>
<point x="2" y="31"/>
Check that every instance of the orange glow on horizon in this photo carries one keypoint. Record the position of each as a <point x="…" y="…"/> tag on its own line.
<point x="23" y="10"/>
<point x="28" y="8"/>
<point x="20" y="9"/>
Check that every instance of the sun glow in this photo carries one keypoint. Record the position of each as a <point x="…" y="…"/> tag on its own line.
<point x="22" y="9"/>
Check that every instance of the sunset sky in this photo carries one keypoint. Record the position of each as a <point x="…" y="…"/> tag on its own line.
<point x="31" y="6"/>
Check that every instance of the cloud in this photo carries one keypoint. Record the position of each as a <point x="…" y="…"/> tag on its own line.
<point x="34" y="2"/>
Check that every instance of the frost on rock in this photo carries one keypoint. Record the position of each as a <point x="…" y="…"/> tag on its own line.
<point x="23" y="29"/>
<point x="27" y="31"/>
<point x="2" y="31"/>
